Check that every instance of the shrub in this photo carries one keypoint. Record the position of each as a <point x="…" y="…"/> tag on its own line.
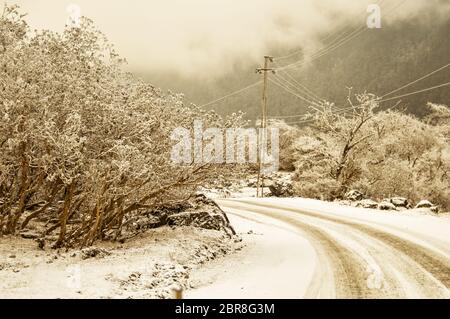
<point x="84" y="144"/>
<point x="288" y="134"/>
<point x="380" y="153"/>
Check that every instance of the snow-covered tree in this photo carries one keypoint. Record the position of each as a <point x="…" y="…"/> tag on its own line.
<point x="382" y="153"/>
<point x="84" y="143"/>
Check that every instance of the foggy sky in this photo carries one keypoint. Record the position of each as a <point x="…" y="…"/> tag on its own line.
<point x="206" y="37"/>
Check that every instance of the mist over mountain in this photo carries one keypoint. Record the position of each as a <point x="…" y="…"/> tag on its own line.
<point x="208" y="49"/>
<point x="377" y="61"/>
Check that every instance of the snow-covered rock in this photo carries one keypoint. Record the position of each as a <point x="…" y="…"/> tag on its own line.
<point x="385" y="205"/>
<point x="252" y="182"/>
<point x="434" y="209"/>
<point x="367" y="203"/>
<point x="203" y="213"/>
<point x="424" y="204"/>
<point x="94" y="252"/>
<point x="282" y="188"/>
<point x="354" y="195"/>
<point x="399" y="202"/>
<point x="144" y="222"/>
<point x="202" y="219"/>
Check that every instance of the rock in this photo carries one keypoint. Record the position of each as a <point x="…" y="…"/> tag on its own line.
<point x="146" y="222"/>
<point x="252" y="182"/>
<point x="199" y="211"/>
<point x="41" y="243"/>
<point x="94" y="252"/>
<point x="268" y="183"/>
<point x="385" y="205"/>
<point x="424" y="204"/>
<point x="134" y="276"/>
<point x="367" y="203"/>
<point x="282" y="188"/>
<point x="399" y="202"/>
<point x="434" y="209"/>
<point x="203" y="203"/>
<point x="354" y="195"/>
<point x="29" y="235"/>
<point x="201" y="219"/>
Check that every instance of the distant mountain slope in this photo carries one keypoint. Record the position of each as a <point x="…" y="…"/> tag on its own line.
<point x="378" y="61"/>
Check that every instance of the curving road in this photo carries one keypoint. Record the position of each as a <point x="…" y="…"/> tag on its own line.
<point x="359" y="257"/>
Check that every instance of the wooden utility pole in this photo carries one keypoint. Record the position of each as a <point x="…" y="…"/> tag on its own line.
<point x="260" y="181"/>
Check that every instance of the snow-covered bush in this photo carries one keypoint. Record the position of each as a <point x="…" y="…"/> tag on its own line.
<point x="383" y="154"/>
<point x="288" y="134"/>
<point x="331" y="147"/>
<point x="83" y="143"/>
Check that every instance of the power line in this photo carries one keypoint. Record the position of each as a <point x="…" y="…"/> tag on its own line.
<point x="276" y="82"/>
<point x="416" y="92"/>
<point x="409" y="84"/>
<point x="418" y="80"/>
<point x="333" y="45"/>
<point x="324" y="51"/>
<point x="381" y="101"/>
<point x="315" y="56"/>
<point x="330" y="34"/>
<point x="285" y="117"/>
<point x="308" y="95"/>
<point x="293" y="93"/>
<point x="298" y="88"/>
<point x="302" y="87"/>
<point x="247" y="87"/>
<point x="327" y="50"/>
<point x="379" y="3"/>
<point x="232" y="94"/>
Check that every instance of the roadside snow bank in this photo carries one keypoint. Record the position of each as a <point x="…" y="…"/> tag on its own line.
<point x="147" y="266"/>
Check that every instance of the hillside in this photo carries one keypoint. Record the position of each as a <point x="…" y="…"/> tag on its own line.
<point x="377" y="61"/>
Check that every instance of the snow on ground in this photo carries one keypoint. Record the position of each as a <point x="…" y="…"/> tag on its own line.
<point x="145" y="267"/>
<point x="280" y="261"/>
<point x="275" y="259"/>
<point x="276" y="263"/>
<point x="414" y="225"/>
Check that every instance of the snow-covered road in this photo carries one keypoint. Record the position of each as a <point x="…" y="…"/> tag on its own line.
<point x="312" y="249"/>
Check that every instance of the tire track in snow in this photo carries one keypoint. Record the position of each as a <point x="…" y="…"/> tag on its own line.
<point x="437" y="265"/>
<point x="427" y="262"/>
<point x="349" y="269"/>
